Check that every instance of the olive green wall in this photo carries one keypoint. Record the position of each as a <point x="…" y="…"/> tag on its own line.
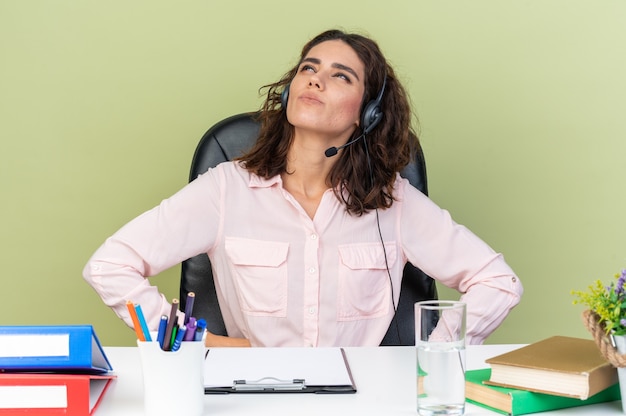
<point x="521" y="107"/>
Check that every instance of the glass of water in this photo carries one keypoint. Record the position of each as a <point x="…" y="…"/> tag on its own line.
<point x="440" y="344"/>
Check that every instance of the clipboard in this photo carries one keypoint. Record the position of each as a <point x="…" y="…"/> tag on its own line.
<point x="277" y="370"/>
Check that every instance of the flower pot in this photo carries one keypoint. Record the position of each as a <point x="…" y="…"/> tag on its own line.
<point x="612" y="347"/>
<point x="620" y="344"/>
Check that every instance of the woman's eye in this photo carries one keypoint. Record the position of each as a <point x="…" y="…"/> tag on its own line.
<point x="307" y="68"/>
<point x="343" y="76"/>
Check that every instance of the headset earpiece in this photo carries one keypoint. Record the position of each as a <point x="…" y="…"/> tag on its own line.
<point x="373" y="113"/>
<point x="284" y="96"/>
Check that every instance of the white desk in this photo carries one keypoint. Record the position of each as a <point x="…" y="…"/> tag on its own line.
<point x="384" y="376"/>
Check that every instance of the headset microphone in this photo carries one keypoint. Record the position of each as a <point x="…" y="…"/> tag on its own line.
<point x="332" y="151"/>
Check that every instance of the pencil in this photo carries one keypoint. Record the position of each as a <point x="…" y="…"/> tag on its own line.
<point x="170" y="324"/>
<point x="191" y="297"/>
<point x="142" y="323"/>
<point x="135" y="319"/>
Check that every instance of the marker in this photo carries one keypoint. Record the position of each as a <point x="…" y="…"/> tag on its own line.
<point x="142" y="323"/>
<point x="135" y="319"/>
<point x="200" y="327"/>
<point x="190" y="329"/>
<point x="179" y="338"/>
<point x="162" y="328"/>
<point x="191" y="297"/>
<point x="170" y="325"/>
<point x="173" y="338"/>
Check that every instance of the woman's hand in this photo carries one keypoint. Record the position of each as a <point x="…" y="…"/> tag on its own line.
<point x="212" y="340"/>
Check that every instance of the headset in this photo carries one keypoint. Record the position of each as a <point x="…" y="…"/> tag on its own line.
<point x="372" y="113"/>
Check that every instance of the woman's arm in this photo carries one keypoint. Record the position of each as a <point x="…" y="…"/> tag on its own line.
<point x="457" y="258"/>
<point x="213" y="340"/>
<point x="179" y="228"/>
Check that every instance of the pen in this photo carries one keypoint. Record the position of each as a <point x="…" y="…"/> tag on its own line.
<point x="170" y="325"/>
<point x="191" y="297"/>
<point x="162" y="328"/>
<point x="190" y="329"/>
<point x="173" y="338"/>
<point x="179" y="338"/>
<point x="200" y="327"/>
<point x="142" y="323"/>
<point x="135" y="319"/>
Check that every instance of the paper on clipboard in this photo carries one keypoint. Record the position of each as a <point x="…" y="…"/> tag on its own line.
<point x="286" y="369"/>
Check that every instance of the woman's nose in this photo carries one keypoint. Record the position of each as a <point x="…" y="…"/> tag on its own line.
<point x="316" y="82"/>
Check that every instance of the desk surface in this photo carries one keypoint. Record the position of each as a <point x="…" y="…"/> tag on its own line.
<point x="384" y="376"/>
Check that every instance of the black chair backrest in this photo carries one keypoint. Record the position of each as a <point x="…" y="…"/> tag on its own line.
<point x="230" y="138"/>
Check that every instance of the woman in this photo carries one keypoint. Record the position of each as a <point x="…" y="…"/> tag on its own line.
<point x="295" y="237"/>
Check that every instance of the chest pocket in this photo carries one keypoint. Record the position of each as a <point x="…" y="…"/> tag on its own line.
<point x="364" y="286"/>
<point x="259" y="270"/>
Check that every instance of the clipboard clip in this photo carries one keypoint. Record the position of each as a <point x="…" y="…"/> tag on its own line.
<point x="269" y="384"/>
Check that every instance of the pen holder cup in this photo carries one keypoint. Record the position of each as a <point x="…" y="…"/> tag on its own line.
<point x="173" y="381"/>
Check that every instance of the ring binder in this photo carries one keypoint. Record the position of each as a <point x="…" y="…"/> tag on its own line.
<point x="269" y="384"/>
<point x="56" y="348"/>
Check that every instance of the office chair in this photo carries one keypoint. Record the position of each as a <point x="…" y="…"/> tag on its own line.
<point x="228" y="139"/>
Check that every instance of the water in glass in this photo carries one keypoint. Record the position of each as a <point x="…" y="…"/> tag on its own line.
<point x="440" y="378"/>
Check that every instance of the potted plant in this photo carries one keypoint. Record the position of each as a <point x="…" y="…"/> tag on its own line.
<point x="605" y="318"/>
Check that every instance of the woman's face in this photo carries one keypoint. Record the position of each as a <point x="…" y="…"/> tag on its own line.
<point x="326" y="94"/>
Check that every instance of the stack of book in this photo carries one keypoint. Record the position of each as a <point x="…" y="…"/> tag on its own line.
<point x="52" y="370"/>
<point x="555" y="373"/>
